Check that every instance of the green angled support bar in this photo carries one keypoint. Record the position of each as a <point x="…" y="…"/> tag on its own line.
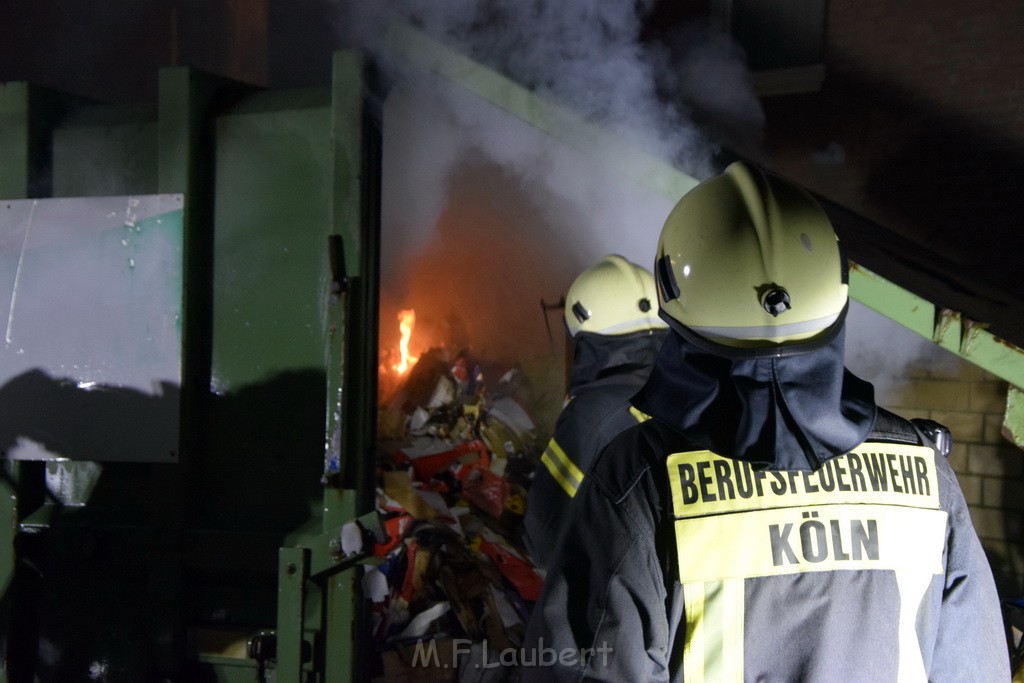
<point x="892" y="301"/>
<point x="952" y="331"/>
<point x="949" y="329"/>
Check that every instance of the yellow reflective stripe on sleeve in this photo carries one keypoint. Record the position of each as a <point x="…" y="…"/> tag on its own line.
<point x="639" y="414"/>
<point x="713" y="649"/>
<point x="810" y="539"/>
<point x="562" y="468"/>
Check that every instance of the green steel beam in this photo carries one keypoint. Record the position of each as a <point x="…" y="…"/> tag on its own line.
<point x="419" y="49"/>
<point x="992" y="353"/>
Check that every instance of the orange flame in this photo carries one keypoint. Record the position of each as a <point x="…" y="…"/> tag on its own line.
<point x="406" y="322"/>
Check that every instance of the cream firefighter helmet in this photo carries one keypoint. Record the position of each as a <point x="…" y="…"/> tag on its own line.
<point x="612" y="297"/>
<point x="749" y="260"/>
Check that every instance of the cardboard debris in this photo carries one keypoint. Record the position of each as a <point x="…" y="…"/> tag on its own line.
<point x="486" y="490"/>
<point x="398" y="486"/>
<point x="455" y="460"/>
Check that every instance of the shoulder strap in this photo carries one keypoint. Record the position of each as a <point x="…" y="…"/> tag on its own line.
<point x="917" y="431"/>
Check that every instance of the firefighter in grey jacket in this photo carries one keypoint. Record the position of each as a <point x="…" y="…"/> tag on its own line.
<point x="611" y="314"/>
<point x="769" y="522"/>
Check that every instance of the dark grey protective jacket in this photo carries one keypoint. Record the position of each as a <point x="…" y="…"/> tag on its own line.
<point x="606" y="372"/>
<point x="853" y="564"/>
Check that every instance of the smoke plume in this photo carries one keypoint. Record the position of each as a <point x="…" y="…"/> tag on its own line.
<point x="484" y="216"/>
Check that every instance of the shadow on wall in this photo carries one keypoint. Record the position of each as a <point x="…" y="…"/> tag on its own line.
<point x="98" y="423"/>
<point x="148" y="546"/>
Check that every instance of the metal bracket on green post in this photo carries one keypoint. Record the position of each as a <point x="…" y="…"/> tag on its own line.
<point x="320" y="559"/>
<point x="1013" y="420"/>
<point x="330" y="551"/>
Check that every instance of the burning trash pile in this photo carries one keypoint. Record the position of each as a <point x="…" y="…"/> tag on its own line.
<point x="454" y="587"/>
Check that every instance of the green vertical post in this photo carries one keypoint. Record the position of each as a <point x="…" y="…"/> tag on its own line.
<point x="21" y="129"/>
<point x="176" y="173"/>
<point x="352" y="354"/>
<point x="345" y="433"/>
<point x="8" y="529"/>
<point x="185" y="166"/>
<point x="292" y="573"/>
<point x="13" y="185"/>
<point x="14" y="141"/>
<point x="340" y="597"/>
<point x="27" y="116"/>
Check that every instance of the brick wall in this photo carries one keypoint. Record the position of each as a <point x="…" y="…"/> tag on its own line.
<point x="915" y="378"/>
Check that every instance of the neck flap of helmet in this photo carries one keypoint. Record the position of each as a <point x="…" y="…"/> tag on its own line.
<point x="778" y="411"/>
<point x="597" y="357"/>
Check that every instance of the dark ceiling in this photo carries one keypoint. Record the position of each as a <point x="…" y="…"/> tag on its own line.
<point x="924" y="194"/>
